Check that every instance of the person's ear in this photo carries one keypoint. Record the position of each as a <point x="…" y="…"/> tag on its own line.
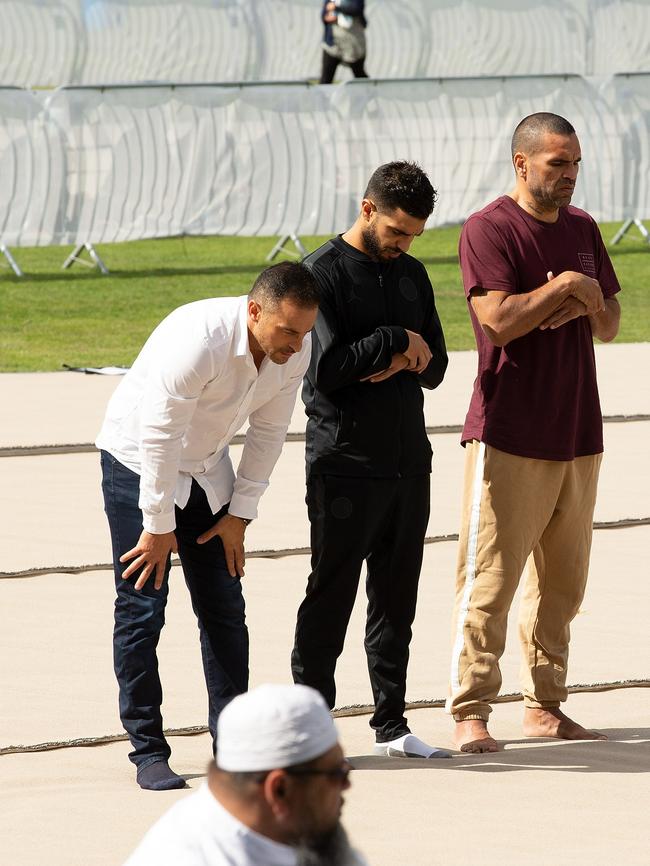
<point x="367" y="209"/>
<point x="254" y="310"/>
<point x="276" y="792"/>
<point x="519" y="161"/>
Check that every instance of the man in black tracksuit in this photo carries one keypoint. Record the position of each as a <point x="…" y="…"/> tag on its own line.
<point x="376" y="343"/>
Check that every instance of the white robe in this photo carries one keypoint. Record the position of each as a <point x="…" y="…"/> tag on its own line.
<point x="198" y="831"/>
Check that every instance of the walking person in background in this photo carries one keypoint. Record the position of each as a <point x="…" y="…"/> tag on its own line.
<point x="539" y="286"/>
<point x="377" y="342"/>
<point x="344" y="39"/>
<point x="169" y="485"/>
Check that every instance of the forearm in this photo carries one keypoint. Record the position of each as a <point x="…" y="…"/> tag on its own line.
<point x="505" y="316"/>
<point x="435" y="370"/>
<point x="605" y="325"/>
<point x="342" y="364"/>
<point x="434" y="373"/>
<point x="515" y="315"/>
<point x="262" y="448"/>
<point x="263" y="445"/>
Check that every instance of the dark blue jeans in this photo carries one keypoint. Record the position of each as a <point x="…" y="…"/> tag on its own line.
<point x="217" y="601"/>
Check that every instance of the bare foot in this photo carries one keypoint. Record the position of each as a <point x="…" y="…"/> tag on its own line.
<point x="472" y="735"/>
<point x="551" y="722"/>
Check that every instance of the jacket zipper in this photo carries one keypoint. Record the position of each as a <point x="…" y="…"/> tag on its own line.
<point x="383" y="298"/>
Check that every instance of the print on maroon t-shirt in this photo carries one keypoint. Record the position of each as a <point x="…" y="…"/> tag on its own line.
<point x="537" y="396"/>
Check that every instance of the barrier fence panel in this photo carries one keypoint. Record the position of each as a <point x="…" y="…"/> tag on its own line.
<point x="140" y="40"/>
<point x="506" y="37"/>
<point x="41" y="43"/>
<point x="49" y="43"/>
<point x="33" y="169"/>
<point x="122" y="163"/>
<point x="620" y="36"/>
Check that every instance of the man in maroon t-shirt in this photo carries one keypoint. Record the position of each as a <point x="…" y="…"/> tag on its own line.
<point x="540" y="286"/>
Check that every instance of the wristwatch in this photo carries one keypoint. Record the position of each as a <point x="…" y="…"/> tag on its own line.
<point x="246" y="520"/>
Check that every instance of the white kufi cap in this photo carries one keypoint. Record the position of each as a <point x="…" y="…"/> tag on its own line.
<point x="273" y="726"/>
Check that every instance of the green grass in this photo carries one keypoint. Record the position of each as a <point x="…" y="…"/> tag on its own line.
<point x="79" y="317"/>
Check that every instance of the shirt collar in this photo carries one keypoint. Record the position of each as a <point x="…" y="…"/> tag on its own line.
<point x="364" y="259"/>
<point x="242" y="347"/>
<point x="255" y="847"/>
<point x="351" y="251"/>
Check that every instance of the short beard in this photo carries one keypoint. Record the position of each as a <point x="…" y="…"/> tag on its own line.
<point x="372" y="245"/>
<point x="327" y="849"/>
<point x="544" y="201"/>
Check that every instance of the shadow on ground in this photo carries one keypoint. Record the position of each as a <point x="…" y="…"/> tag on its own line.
<point x="626" y="751"/>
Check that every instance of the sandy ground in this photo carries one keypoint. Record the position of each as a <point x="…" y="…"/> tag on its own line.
<point x="535" y="800"/>
<point x="67" y="407"/>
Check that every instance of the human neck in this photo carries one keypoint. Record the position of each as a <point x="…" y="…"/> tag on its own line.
<point x="521" y="195"/>
<point x="354" y="237"/>
<point x="249" y="812"/>
<point x="256" y="350"/>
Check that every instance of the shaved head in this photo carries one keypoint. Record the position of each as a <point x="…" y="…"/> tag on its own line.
<point x="530" y="132"/>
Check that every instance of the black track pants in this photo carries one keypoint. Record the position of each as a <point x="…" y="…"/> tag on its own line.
<point x="382" y="521"/>
<point x="330" y="65"/>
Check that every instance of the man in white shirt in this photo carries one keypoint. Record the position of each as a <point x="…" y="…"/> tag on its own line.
<point x="169" y="485"/>
<point x="274" y="796"/>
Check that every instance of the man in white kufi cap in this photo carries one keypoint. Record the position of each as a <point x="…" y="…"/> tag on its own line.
<point x="273" y="796"/>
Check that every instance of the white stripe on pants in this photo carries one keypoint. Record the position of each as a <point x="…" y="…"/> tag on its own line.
<point x="513" y="507"/>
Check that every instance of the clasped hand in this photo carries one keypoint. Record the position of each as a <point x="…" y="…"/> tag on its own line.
<point x="415" y="358"/>
<point x="586" y="298"/>
<point x="400" y="362"/>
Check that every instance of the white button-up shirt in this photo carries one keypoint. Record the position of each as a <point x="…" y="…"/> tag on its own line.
<point x="191" y="388"/>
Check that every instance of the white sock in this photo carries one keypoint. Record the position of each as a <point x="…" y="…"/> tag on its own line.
<point x="410" y="746"/>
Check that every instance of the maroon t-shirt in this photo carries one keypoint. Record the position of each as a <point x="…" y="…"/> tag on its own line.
<point x="537" y="396"/>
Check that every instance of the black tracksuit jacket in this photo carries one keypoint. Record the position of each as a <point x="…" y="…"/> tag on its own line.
<point x="367" y="429"/>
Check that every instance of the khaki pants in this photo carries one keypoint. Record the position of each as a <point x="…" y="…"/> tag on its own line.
<point x="513" y="508"/>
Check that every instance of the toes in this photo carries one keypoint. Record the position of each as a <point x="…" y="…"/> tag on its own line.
<point x="478" y="747"/>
